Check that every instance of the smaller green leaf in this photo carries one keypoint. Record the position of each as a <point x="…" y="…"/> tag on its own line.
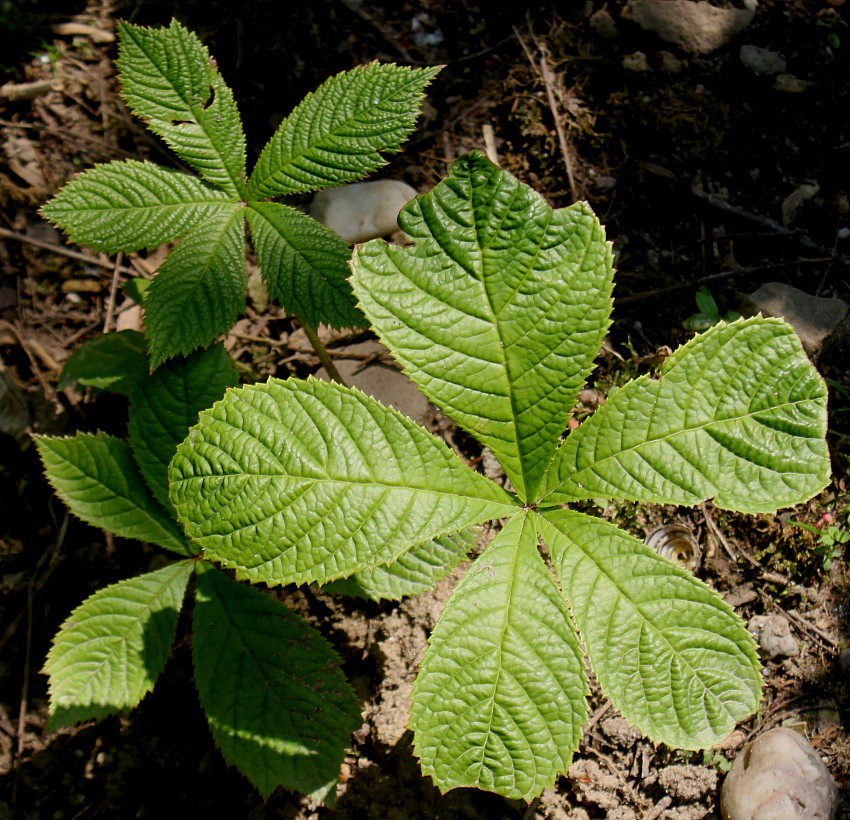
<point x="417" y="570"/>
<point x="97" y="477"/>
<point x="136" y="289"/>
<point x="166" y="404"/>
<point x="304" y="264"/>
<point x="276" y="700"/>
<point x="169" y="80"/>
<point x="668" y="651"/>
<point x="199" y="289"/>
<point x="107" y="656"/>
<point x="113" y="361"/>
<point x="335" y="134"/>
<point x="129" y="205"/>
<point x="500" y="698"/>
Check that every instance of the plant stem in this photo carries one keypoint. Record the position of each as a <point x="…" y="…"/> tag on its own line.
<point x="321" y="352"/>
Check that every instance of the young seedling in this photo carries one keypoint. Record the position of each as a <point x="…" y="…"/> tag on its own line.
<point x="497" y="313"/>
<point x="276" y="700"/>
<point x="709" y="314"/>
<point x="334" y="136"/>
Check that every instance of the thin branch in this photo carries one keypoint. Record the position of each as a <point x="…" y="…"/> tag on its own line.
<point x="113" y="290"/>
<point x="322" y="352"/>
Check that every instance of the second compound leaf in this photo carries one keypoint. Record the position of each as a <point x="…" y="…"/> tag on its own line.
<point x="166" y="404"/>
<point x="129" y="205"/>
<point x="336" y="133"/>
<point x="199" y="289"/>
<point x="304" y="264"/>
<point x="97" y="477"/>
<point x="276" y="700"/>
<point x="108" y="654"/>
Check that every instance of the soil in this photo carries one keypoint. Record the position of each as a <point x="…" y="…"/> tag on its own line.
<point x="691" y="161"/>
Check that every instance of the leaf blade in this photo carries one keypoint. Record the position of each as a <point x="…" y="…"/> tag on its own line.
<point x="166" y="404"/>
<point x="97" y="477"/>
<point x="276" y="700"/>
<point x="415" y="571"/>
<point x="668" y="651"/>
<point x="304" y="264"/>
<point x="129" y="205"/>
<point x="109" y="652"/>
<point x="169" y="80"/>
<point x="498" y="311"/>
<point x="750" y="434"/>
<point x="505" y="662"/>
<point x="335" y="134"/>
<point x="199" y="290"/>
<point x="293" y="482"/>
<point x="111" y="361"/>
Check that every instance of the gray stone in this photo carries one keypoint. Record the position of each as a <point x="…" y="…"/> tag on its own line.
<point x="762" y="60"/>
<point x="364" y="210"/>
<point x="779" y="776"/>
<point x="695" y="25"/>
<point x="812" y="317"/>
<point x="773" y="635"/>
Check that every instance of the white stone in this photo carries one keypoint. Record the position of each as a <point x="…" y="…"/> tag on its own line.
<point x="773" y="635"/>
<point x="364" y="210"/>
<point x="779" y="776"/>
<point x="812" y="317"/>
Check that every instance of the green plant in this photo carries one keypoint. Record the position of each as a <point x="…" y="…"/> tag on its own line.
<point x="497" y="312"/>
<point x="332" y="137"/>
<point x="831" y="540"/>
<point x="709" y="314"/>
<point x="275" y="698"/>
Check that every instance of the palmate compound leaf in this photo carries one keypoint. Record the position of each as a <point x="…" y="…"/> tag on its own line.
<point x="667" y="650"/>
<point x="415" y="571"/>
<point x="97" y="477"/>
<point x="107" y="656"/>
<point x="276" y="700"/>
<point x="166" y="403"/>
<point x="739" y="415"/>
<point x="199" y="290"/>
<point x="304" y="264"/>
<point x="498" y="310"/>
<point x="335" y="134"/>
<point x="499" y="700"/>
<point x="305" y="481"/>
<point x="169" y="80"/>
<point x="130" y="205"/>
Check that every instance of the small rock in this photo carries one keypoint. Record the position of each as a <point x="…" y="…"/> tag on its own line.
<point x="778" y="776"/>
<point x="844" y="658"/>
<point x="695" y="25"/>
<point x="635" y="62"/>
<point x="364" y="210"/>
<point x="812" y="317"/>
<point x="603" y="23"/>
<point x="387" y="385"/>
<point x="670" y="62"/>
<point x="605" y="182"/>
<point x="790" y="84"/>
<point x="773" y="635"/>
<point x="762" y="60"/>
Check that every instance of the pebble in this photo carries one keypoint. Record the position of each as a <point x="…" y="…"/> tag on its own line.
<point x="773" y="635"/>
<point x="363" y="210"/>
<point x="635" y="62"/>
<point x="762" y="60"/>
<point x="779" y="776"/>
<point x="812" y="317"/>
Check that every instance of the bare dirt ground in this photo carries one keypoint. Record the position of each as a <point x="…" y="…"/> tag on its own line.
<point x="691" y="160"/>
